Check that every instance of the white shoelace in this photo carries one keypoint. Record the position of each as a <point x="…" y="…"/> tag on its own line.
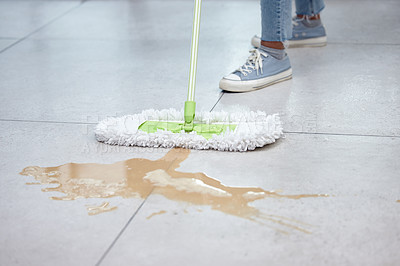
<point x="296" y="20"/>
<point x="254" y="62"/>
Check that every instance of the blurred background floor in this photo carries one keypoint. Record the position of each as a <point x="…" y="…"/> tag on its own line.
<point x="65" y="65"/>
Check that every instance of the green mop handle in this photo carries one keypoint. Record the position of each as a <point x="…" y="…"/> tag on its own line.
<point x="190" y="105"/>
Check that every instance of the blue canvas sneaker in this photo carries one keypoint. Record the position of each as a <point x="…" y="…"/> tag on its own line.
<point x="306" y="33"/>
<point x="260" y="70"/>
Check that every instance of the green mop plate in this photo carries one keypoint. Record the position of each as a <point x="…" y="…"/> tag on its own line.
<point x="205" y="130"/>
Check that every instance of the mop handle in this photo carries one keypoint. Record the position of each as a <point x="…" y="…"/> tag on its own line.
<point x="194" y="49"/>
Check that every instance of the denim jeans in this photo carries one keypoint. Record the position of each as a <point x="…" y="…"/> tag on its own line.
<point x="276" y="17"/>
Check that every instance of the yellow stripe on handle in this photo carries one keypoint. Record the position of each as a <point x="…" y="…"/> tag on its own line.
<point x="194" y="49"/>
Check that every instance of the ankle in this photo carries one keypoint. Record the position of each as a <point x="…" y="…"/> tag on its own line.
<point x="313" y="17"/>
<point x="276" y="53"/>
<point x="274" y="45"/>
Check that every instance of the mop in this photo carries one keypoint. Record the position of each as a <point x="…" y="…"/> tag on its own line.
<point x="169" y="128"/>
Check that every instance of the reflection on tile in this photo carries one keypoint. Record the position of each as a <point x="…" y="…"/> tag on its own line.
<point x="336" y="89"/>
<point x="345" y="25"/>
<point x="83" y="80"/>
<point x="147" y="21"/>
<point x="20" y="18"/>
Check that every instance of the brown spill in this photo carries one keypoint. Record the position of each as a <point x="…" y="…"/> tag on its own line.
<point x="140" y="177"/>
<point x="154" y="214"/>
<point x="398" y="201"/>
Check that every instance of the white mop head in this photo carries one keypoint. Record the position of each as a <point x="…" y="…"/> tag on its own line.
<point x="254" y="129"/>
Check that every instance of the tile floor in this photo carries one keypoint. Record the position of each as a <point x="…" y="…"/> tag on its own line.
<point x="64" y="65"/>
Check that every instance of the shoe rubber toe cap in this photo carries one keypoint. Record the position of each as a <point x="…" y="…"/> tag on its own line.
<point x="232" y="77"/>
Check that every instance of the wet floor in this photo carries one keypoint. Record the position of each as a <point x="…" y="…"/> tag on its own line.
<point x="139" y="178"/>
<point x="65" y="65"/>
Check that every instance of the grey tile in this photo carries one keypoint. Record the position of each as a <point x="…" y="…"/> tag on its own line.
<point x="348" y="89"/>
<point x="38" y="231"/>
<point x="20" y="18"/>
<point x="357" y="224"/>
<point x="77" y="80"/>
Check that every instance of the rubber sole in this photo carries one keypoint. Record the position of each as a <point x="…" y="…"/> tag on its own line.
<point x="252" y="85"/>
<point x="311" y="42"/>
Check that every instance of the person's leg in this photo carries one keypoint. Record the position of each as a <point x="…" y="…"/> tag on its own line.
<point x="307" y="30"/>
<point x="309" y="7"/>
<point x="269" y="64"/>
<point x="276" y="24"/>
<point x="307" y="26"/>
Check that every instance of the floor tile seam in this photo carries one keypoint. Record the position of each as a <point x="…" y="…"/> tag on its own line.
<point x="177" y="0"/>
<point x="42" y="27"/>
<point x="43" y="1"/>
<point x="226" y="0"/>
<point x="48" y="122"/>
<point x="285" y="131"/>
<point x="362" y="43"/>
<point x="128" y="39"/>
<point x="76" y="122"/>
<point x="120" y="232"/>
<point x="340" y="134"/>
<point x="218" y="100"/>
<point x="39" y="38"/>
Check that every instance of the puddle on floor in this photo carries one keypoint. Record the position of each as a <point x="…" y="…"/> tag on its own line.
<point x="139" y="177"/>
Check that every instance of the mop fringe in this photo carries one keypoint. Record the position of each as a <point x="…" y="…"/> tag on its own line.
<point x="254" y="129"/>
